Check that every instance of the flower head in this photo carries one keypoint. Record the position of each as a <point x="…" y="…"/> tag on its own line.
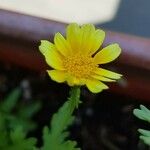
<point x="76" y="59"/>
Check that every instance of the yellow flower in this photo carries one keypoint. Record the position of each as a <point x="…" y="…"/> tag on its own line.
<point x="76" y="59"/>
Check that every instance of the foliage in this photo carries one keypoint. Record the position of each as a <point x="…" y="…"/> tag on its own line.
<point x="18" y="114"/>
<point x="16" y="140"/>
<point x="144" y="114"/>
<point x="15" y="122"/>
<point x="55" y="137"/>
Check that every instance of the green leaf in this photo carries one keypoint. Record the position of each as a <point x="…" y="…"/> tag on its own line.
<point x="27" y="124"/>
<point x="70" y="145"/>
<point x="11" y="100"/>
<point x="144" y="132"/>
<point x="145" y="136"/>
<point x="143" y="113"/>
<point x="54" y="138"/>
<point x="19" y="140"/>
<point x="30" y="110"/>
<point x="17" y="134"/>
<point x="145" y="139"/>
<point x="15" y="122"/>
<point x="3" y="132"/>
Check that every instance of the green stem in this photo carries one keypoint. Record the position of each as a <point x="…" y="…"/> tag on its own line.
<point x="74" y="99"/>
<point x="61" y="120"/>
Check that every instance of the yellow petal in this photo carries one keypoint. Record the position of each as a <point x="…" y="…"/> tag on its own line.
<point x="91" y="39"/>
<point x="97" y="40"/>
<point x="52" y="57"/>
<point x="62" y="45"/>
<point x="101" y="78"/>
<point x="85" y="39"/>
<point x="73" y="35"/>
<point x="107" y="54"/>
<point x="46" y="46"/>
<point x="95" y="86"/>
<point x="107" y="73"/>
<point x="87" y="36"/>
<point x="57" y="75"/>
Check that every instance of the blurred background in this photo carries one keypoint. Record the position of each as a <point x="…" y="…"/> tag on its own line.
<point x="128" y="16"/>
<point x="104" y="121"/>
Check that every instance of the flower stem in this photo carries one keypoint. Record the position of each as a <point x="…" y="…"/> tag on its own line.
<point x="74" y="99"/>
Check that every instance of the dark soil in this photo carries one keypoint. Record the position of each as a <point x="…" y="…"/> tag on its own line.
<point x="103" y="121"/>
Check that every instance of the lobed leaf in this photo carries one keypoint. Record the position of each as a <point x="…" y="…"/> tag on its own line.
<point x="55" y="137"/>
<point x="143" y="113"/>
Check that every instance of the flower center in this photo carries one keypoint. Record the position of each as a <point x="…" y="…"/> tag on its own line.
<point x="80" y="66"/>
